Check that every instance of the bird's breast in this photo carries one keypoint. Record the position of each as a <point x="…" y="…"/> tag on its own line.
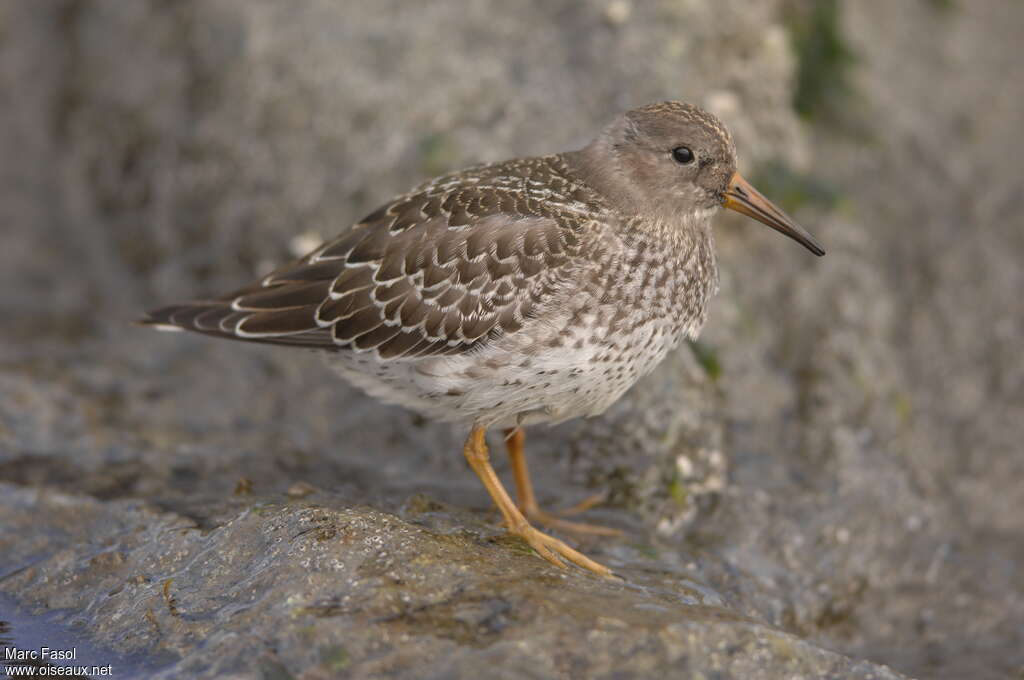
<point x="659" y="276"/>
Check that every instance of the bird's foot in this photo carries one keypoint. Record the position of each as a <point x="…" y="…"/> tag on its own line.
<point x="553" y="521"/>
<point x="555" y="551"/>
<point x="587" y="503"/>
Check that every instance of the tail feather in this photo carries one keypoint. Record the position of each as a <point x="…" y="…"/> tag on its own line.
<point x="217" y="318"/>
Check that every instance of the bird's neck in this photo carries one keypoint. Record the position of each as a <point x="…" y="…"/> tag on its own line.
<point x="597" y="166"/>
<point x="683" y="245"/>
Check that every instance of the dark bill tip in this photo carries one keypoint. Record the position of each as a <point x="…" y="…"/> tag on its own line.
<point x="745" y="199"/>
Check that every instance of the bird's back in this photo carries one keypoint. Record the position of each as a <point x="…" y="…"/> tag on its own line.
<point x="439" y="270"/>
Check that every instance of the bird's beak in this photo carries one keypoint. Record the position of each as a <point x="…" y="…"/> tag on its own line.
<point x="743" y="198"/>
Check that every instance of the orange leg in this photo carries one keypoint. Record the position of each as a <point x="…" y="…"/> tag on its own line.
<point x="514" y="441"/>
<point x="550" y="548"/>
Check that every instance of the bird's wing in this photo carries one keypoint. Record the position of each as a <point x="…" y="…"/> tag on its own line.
<point x="437" y="271"/>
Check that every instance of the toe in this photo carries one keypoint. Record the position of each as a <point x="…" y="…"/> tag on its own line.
<point x="553" y="522"/>
<point x="551" y="549"/>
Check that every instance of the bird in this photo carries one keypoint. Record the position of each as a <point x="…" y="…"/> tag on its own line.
<point x="509" y="294"/>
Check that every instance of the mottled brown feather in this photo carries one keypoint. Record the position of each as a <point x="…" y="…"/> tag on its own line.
<point x="460" y="260"/>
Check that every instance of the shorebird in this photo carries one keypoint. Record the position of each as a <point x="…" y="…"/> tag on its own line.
<point x="509" y="294"/>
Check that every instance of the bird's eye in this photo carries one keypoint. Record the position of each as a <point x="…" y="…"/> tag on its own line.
<point x="682" y="155"/>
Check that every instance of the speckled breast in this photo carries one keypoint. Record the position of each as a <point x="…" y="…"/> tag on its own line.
<point x="640" y="304"/>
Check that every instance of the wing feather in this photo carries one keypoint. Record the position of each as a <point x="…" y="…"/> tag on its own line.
<point x="454" y="264"/>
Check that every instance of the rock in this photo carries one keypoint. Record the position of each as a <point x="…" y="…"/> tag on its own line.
<point x="316" y="590"/>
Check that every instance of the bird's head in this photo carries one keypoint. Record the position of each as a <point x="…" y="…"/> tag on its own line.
<point x="676" y="160"/>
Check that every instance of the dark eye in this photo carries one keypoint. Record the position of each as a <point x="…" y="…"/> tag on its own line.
<point x="682" y="155"/>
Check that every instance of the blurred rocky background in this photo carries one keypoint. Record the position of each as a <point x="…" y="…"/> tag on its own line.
<point x="830" y="484"/>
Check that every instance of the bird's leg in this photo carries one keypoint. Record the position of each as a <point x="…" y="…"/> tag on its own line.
<point x="550" y="548"/>
<point x="514" y="442"/>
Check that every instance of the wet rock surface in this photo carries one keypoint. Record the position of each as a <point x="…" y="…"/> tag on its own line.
<point x="827" y="485"/>
<point x="319" y="588"/>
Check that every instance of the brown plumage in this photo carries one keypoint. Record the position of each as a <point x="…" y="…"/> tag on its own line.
<point x="532" y="290"/>
<point x="436" y="271"/>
